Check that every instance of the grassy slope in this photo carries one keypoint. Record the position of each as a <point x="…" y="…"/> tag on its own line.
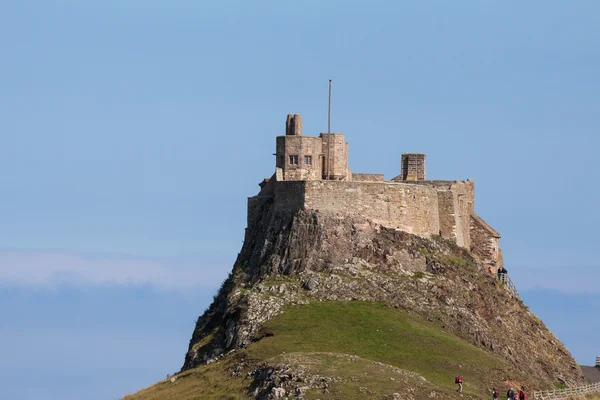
<point x="313" y="334"/>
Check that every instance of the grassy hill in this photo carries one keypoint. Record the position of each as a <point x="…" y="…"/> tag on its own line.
<point x="357" y="350"/>
<point x="322" y="307"/>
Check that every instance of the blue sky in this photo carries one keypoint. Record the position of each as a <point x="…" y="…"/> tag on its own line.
<point x="133" y="131"/>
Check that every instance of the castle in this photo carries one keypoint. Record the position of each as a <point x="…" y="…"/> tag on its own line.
<point x="311" y="172"/>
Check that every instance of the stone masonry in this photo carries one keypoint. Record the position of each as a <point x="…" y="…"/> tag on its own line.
<point x="311" y="157"/>
<point x="412" y="167"/>
<point x="311" y="173"/>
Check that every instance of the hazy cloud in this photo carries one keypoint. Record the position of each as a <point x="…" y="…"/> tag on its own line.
<point x="47" y="268"/>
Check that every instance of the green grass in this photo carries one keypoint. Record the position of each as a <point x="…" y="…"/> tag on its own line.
<point x="314" y="335"/>
<point x="418" y="275"/>
<point x="207" y="382"/>
<point x="360" y="378"/>
<point x="379" y="333"/>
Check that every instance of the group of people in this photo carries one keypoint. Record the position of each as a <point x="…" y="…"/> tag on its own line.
<point x="501" y="270"/>
<point x="510" y="395"/>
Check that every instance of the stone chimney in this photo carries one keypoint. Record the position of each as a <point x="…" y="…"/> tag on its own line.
<point x="293" y="125"/>
<point x="412" y="167"/>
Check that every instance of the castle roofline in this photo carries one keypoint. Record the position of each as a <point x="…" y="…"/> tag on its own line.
<point x="485" y="225"/>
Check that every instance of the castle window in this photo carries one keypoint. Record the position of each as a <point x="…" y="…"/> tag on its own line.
<point x="308" y="160"/>
<point x="294" y="160"/>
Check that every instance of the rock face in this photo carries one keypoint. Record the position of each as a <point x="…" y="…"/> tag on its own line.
<point x="295" y="258"/>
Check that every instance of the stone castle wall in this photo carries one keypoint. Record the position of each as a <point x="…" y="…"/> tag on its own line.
<point x="456" y="204"/>
<point x="412" y="167"/>
<point x="484" y="242"/>
<point x="425" y="208"/>
<point x="464" y="196"/>
<point x="290" y="195"/>
<point x="367" y="177"/>
<point x="408" y="202"/>
<point x="410" y="208"/>
<point x="302" y="147"/>
<point x="338" y="153"/>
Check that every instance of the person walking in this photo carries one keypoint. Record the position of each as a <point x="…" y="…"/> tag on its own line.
<point x="502" y="272"/>
<point x="459" y="381"/>
<point x="510" y="395"/>
<point x="522" y="394"/>
<point x="495" y="394"/>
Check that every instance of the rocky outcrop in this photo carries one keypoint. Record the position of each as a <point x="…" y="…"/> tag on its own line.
<point x="292" y="378"/>
<point x="309" y="256"/>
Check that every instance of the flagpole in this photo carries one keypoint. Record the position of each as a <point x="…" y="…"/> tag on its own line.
<point x="329" y="131"/>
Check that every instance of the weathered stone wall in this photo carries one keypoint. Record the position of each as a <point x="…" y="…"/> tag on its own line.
<point x="422" y="208"/>
<point x="412" y="167"/>
<point x="338" y="153"/>
<point x="293" y="125"/>
<point x="464" y="195"/>
<point x="411" y="208"/>
<point x="300" y="146"/>
<point x="484" y="242"/>
<point x="447" y="216"/>
<point x="456" y="204"/>
<point x="290" y="195"/>
<point x="367" y="177"/>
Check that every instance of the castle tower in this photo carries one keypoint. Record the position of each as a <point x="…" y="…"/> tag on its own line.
<point x="299" y="157"/>
<point x="335" y="151"/>
<point x="412" y="167"/>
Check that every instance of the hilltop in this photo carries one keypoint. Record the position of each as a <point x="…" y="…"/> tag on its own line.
<point x="433" y="315"/>
<point x="353" y="287"/>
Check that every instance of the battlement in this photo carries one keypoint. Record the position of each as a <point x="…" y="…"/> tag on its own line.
<point x="311" y="173"/>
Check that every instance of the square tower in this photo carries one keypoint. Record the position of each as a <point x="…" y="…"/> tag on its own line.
<point x="412" y="167"/>
<point x="299" y="157"/>
<point x="335" y="156"/>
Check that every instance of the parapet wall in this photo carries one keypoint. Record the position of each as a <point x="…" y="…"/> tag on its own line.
<point x="422" y="208"/>
<point x="290" y="195"/>
<point x="359" y="177"/>
<point x="456" y="204"/>
<point x="410" y="208"/>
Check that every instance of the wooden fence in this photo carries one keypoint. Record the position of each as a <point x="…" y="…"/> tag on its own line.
<point x="561" y="394"/>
